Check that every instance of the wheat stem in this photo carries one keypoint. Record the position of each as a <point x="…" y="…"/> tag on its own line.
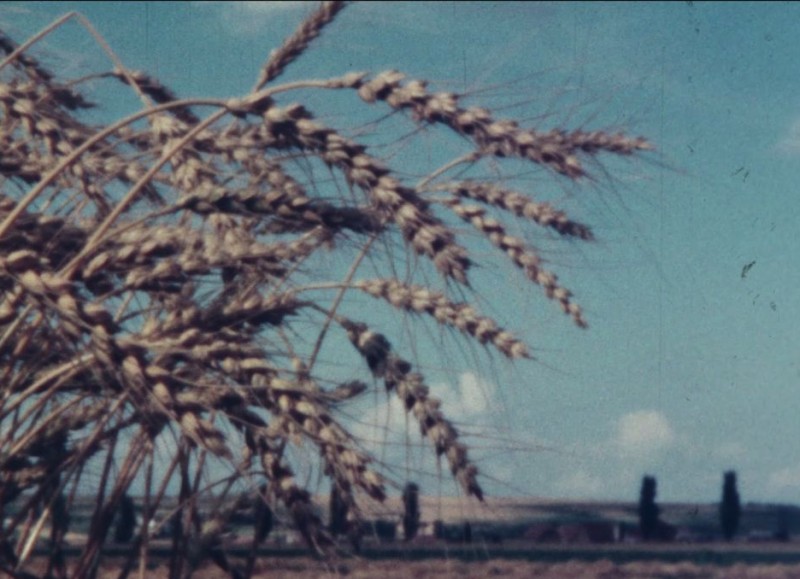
<point x="338" y="299"/>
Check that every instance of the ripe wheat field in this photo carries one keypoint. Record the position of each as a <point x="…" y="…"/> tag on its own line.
<point x="446" y="568"/>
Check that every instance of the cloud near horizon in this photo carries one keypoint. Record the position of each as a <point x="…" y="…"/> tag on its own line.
<point x="581" y="484"/>
<point x="643" y="432"/>
<point x="638" y="441"/>
<point x="785" y="479"/>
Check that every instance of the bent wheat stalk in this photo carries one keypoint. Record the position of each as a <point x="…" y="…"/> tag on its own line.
<point x="164" y="287"/>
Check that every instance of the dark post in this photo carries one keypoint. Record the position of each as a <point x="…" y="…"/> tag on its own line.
<point x="730" y="509"/>
<point x="648" y="509"/>
<point x="411" y="514"/>
<point x="338" y="508"/>
<point x="126" y="523"/>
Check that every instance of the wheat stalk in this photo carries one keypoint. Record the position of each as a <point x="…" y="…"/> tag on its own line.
<point x="160" y="274"/>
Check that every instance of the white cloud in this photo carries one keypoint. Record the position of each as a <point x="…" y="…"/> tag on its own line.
<point x="473" y="397"/>
<point x="381" y="424"/>
<point x="385" y="427"/>
<point x="265" y="7"/>
<point x="643" y="432"/>
<point x="611" y="467"/>
<point x="10" y="8"/>
<point x="580" y="484"/>
<point x="785" y="479"/>
<point x="790" y="143"/>
<point x="282" y="5"/>
<point x="248" y="18"/>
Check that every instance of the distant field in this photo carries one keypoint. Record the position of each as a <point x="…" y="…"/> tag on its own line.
<point x="451" y="568"/>
<point x="529" y="510"/>
<point x="515" y="557"/>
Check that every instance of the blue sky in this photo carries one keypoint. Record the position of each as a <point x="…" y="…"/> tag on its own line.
<point x="690" y="365"/>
